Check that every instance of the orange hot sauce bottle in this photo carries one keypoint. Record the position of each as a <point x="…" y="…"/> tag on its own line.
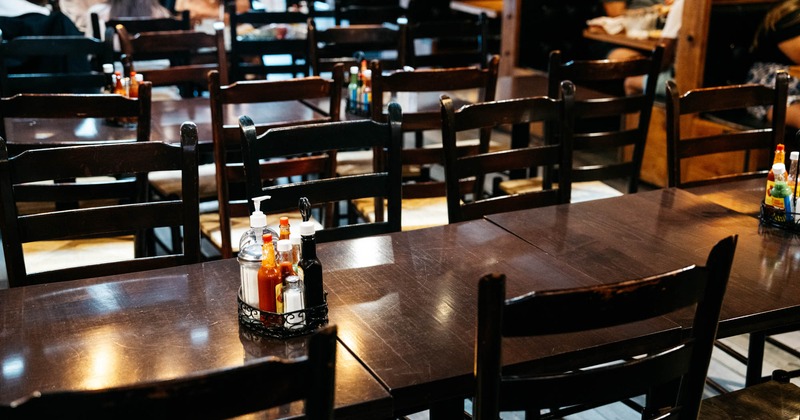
<point x="269" y="277"/>
<point x="283" y="227"/>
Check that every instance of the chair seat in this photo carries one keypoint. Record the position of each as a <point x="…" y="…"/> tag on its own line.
<point x="168" y="183"/>
<point x="581" y="191"/>
<point x="55" y="255"/>
<point x="354" y="162"/>
<point x="209" y="226"/>
<point x="417" y="213"/>
<point x="768" y="400"/>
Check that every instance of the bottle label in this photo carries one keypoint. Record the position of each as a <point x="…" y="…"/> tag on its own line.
<point x="768" y="197"/>
<point x="279" y="298"/>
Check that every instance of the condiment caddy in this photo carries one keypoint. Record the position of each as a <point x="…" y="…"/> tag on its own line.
<point x="280" y="295"/>
<point x="779" y="207"/>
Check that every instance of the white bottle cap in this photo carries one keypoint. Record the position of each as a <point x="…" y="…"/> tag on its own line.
<point x="295" y="238"/>
<point x="794" y="155"/>
<point x="778" y="168"/>
<point x="353" y="70"/>
<point x="307" y="228"/>
<point x="258" y="218"/>
<point x="367" y="73"/>
<point x="108" y="68"/>
<point x="284" y="245"/>
<point x="139" y="77"/>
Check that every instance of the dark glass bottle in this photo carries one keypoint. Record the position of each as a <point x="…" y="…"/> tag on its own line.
<point x="309" y="268"/>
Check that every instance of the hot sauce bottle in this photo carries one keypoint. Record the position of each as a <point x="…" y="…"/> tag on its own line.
<point x="269" y="277"/>
<point x="284" y="228"/>
<point x="780" y="156"/>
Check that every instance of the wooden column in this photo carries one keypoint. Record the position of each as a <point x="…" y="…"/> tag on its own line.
<point x="691" y="50"/>
<point x="509" y="41"/>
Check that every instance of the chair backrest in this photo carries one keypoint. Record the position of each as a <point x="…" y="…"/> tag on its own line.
<point x="626" y="129"/>
<point x="340" y="44"/>
<point x="662" y="362"/>
<point x="484" y="81"/>
<point x="184" y="49"/>
<point x="136" y="25"/>
<point x="364" y="12"/>
<point x="682" y="144"/>
<point x="269" y="33"/>
<point x="117" y="172"/>
<point x="474" y="168"/>
<point x="223" y="393"/>
<point x="53" y="64"/>
<point x="228" y="137"/>
<point x="384" y="183"/>
<point x="452" y="41"/>
<point x="103" y="107"/>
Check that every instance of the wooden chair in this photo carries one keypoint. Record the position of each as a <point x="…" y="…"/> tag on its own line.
<point x="756" y="147"/>
<point x="340" y="44"/>
<point x="225" y="228"/>
<point x="462" y="173"/>
<point x="326" y="138"/>
<point x="76" y="107"/>
<point x="182" y="48"/>
<point x="624" y="141"/>
<point x="224" y="393"/>
<point x="682" y="144"/>
<point x="115" y="174"/>
<point x="453" y="41"/>
<point x="53" y="64"/>
<point x="367" y="12"/>
<point x="637" y="370"/>
<point x="135" y="25"/>
<point x="424" y="197"/>
<point x="248" y="48"/>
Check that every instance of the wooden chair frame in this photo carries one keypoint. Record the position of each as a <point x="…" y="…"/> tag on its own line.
<point x="685" y="358"/>
<point x="308" y="140"/>
<point x="228" y="140"/>
<point x="470" y="34"/>
<point x="338" y="44"/>
<point x="244" y="49"/>
<point x="701" y="100"/>
<point x="56" y="49"/>
<point x="176" y="45"/>
<point x="78" y="106"/>
<point x="519" y="113"/>
<point x="431" y="80"/>
<point x="599" y="74"/>
<point x="127" y="165"/>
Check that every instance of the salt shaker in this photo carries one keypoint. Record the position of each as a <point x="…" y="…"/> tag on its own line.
<point x="293" y="301"/>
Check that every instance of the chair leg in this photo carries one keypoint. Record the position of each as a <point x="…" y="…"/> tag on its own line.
<point x="755" y="358"/>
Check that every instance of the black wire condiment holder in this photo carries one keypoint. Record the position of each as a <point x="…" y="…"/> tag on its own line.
<point x="282" y="325"/>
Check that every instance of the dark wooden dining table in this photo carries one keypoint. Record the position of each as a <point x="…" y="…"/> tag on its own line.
<point x="404" y="303"/>
<point x="166" y="119"/>
<point x="167" y="115"/>
<point x="646" y="233"/>
<point x="147" y="326"/>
